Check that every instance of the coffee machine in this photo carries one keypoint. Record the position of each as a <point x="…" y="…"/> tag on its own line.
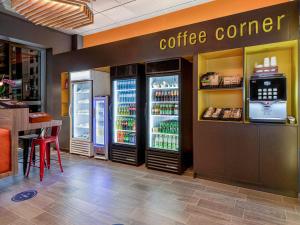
<point x="268" y="98"/>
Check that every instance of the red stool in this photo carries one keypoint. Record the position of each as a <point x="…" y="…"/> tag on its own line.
<point x="44" y="143"/>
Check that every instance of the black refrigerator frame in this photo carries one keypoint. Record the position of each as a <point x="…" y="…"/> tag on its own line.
<point x="123" y="153"/>
<point x="168" y="160"/>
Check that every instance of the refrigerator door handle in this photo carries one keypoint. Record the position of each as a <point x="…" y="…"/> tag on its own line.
<point x="70" y="107"/>
<point x="146" y="109"/>
<point x="110" y="111"/>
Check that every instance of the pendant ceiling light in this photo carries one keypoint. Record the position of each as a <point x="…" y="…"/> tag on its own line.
<point x="60" y="14"/>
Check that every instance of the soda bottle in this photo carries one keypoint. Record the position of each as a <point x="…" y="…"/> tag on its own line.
<point x="160" y="141"/>
<point x="121" y="136"/>
<point x="173" y="144"/>
<point x="169" y="142"/>
<point x="165" y="145"/>
<point x="176" y="109"/>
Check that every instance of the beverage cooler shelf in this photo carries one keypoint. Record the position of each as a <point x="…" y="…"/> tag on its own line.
<point x="164" y="115"/>
<point x="126" y="115"/>
<point x="162" y="102"/>
<point x="158" y="133"/>
<point x="131" y="131"/>
<point x="119" y="90"/>
<point x="82" y="92"/>
<point x="165" y="88"/>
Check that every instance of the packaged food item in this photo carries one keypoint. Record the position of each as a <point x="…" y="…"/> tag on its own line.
<point x="217" y="113"/>
<point x="210" y="79"/>
<point x="209" y="112"/>
<point x="232" y="80"/>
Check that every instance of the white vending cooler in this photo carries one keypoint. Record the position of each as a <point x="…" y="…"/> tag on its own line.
<point x="84" y="86"/>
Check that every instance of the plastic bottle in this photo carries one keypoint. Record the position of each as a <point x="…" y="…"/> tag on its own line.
<point x="165" y="145"/>
<point x="160" y="142"/>
<point x="169" y="142"/>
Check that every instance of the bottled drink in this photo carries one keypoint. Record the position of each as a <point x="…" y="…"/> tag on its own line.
<point x="176" y="109"/>
<point x="169" y="142"/>
<point x="165" y="142"/>
<point x="173" y="144"/>
<point x="160" y="141"/>
<point x="156" y="144"/>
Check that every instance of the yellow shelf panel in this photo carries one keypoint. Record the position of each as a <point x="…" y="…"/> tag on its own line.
<point x="64" y="95"/>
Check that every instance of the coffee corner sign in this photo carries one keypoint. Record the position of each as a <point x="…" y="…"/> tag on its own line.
<point x="221" y="33"/>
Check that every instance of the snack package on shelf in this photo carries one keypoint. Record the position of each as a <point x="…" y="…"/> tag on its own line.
<point x="234" y="114"/>
<point x="214" y="80"/>
<point x="226" y="114"/>
<point x="208" y="113"/>
<point x="210" y="80"/>
<point x="217" y="113"/>
<point x="232" y="80"/>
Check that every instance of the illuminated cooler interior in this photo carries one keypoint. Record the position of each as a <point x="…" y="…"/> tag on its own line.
<point x="287" y="61"/>
<point x="163" y="125"/>
<point x="100" y="122"/>
<point x="124" y="101"/>
<point x="81" y="110"/>
<point x="226" y="63"/>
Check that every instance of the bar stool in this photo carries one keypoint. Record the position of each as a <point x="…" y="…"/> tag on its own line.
<point x="44" y="143"/>
<point x="27" y="140"/>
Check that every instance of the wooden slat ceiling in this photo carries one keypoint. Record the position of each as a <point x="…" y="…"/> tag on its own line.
<point x="60" y="14"/>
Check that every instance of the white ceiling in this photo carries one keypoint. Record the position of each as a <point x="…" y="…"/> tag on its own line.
<point x="114" y="13"/>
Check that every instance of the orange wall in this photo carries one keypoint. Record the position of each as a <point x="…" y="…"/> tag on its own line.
<point x="195" y="14"/>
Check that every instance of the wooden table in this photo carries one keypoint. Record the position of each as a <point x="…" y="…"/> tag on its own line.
<point x="17" y="120"/>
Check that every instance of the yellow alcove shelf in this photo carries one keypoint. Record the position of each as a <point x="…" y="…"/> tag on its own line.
<point x="226" y="63"/>
<point x="287" y="61"/>
<point x="64" y="94"/>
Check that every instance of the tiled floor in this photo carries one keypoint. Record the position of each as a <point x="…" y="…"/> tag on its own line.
<point x="93" y="192"/>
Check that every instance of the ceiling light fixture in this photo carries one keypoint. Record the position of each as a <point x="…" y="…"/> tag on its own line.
<point x="59" y="14"/>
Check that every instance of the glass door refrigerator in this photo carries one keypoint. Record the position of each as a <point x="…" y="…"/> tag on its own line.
<point x="84" y="86"/>
<point x="169" y="106"/>
<point x="81" y="122"/>
<point x="128" y="103"/>
<point x="100" y="122"/>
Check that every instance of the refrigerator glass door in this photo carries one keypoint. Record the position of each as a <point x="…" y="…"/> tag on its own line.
<point x="99" y="126"/>
<point x="124" y="111"/>
<point x="82" y="110"/>
<point x="163" y="109"/>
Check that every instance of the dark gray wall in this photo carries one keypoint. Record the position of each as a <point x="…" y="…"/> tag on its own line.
<point x="19" y="30"/>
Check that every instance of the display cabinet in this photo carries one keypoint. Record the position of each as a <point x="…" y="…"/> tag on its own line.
<point x="262" y="155"/>
<point x="221" y="93"/>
